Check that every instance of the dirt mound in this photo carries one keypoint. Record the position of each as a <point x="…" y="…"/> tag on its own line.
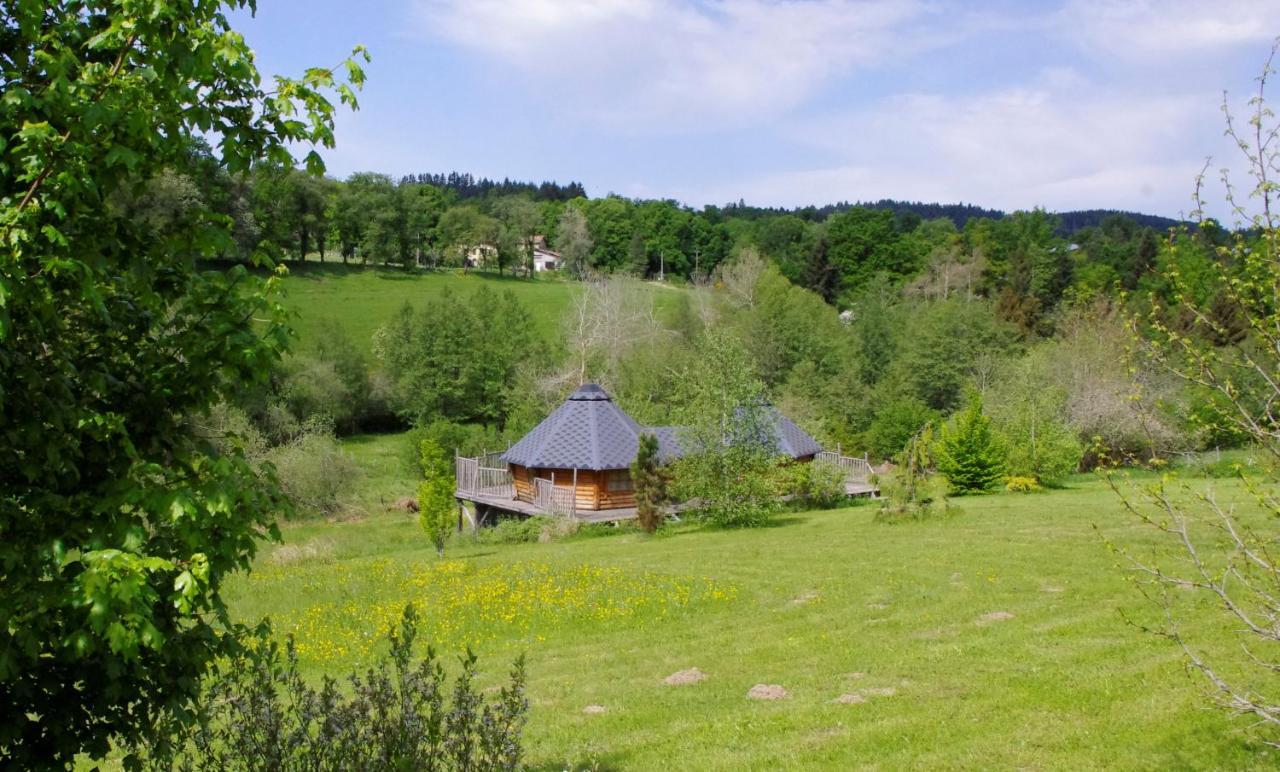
<point x="767" y="692"/>
<point x="995" y="616"/>
<point x="406" y="504"/>
<point x="594" y="709"/>
<point x="688" y="676"/>
<point x="850" y="699"/>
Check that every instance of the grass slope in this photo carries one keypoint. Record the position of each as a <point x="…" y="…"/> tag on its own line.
<point x="362" y="299"/>
<point x="824" y="604"/>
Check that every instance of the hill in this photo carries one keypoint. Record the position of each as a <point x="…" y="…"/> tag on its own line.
<point x="362" y="299"/>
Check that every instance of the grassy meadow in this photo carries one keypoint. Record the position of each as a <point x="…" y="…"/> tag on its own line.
<point x="994" y="638"/>
<point x="362" y="299"/>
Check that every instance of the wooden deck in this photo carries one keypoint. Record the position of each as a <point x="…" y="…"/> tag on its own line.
<point x="488" y="486"/>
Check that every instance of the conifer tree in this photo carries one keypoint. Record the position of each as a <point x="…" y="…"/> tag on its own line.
<point x="970" y="454"/>
<point x="650" y="483"/>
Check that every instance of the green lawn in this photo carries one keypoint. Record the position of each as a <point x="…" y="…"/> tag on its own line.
<point x="823" y="604"/>
<point x="362" y="299"/>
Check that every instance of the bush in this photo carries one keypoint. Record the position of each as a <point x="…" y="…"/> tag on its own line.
<point x="910" y="492"/>
<point x="526" y="530"/>
<point x="734" y="485"/>
<point x="896" y="423"/>
<point x="923" y="498"/>
<point x="1021" y="484"/>
<point x="313" y="471"/>
<point x="257" y="713"/>
<point x="969" y="453"/>
<point x="467" y="439"/>
<point x="815" y="485"/>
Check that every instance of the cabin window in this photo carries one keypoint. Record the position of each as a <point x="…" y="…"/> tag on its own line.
<point x="618" y="480"/>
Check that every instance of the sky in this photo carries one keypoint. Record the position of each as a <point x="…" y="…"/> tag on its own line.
<point x="1075" y="104"/>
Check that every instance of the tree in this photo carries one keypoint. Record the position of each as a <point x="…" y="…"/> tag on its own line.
<point x="1029" y="410"/>
<point x="118" y="527"/>
<point x="574" y="241"/>
<point x="519" y="219"/>
<point x="969" y="454"/>
<point x="650" y="482"/>
<point x="435" y="494"/>
<point x="727" y="437"/>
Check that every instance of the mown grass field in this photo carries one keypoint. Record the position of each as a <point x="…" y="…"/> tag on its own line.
<point x="993" y="639"/>
<point x="362" y="299"/>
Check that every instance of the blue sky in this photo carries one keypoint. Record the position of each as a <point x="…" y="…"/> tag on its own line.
<point x="1070" y="104"/>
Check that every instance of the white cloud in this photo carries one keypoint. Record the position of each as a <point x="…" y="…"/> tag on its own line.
<point x="1141" y="28"/>
<point x="1054" y="143"/>
<point x="669" y="65"/>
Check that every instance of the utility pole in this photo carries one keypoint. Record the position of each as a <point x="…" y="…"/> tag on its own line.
<point x="662" y="265"/>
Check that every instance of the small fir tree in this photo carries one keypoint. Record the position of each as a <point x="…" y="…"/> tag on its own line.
<point x="650" y="482"/>
<point x="435" y="494"/>
<point x="969" y="453"/>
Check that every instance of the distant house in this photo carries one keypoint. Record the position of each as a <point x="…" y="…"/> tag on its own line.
<point x="577" y="461"/>
<point x="545" y="260"/>
<point x="479" y="255"/>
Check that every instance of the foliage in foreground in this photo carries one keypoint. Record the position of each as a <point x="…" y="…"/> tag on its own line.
<point x="117" y="525"/>
<point x="1227" y="347"/>
<point x="259" y="714"/>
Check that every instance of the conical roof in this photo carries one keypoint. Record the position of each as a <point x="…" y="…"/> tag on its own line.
<point x="587" y="432"/>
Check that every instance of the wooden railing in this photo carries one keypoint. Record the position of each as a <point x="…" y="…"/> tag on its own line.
<point x="471" y="475"/>
<point x="856" y="470"/>
<point x="554" y="499"/>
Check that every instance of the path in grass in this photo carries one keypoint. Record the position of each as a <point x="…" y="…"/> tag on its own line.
<point x="994" y="639"/>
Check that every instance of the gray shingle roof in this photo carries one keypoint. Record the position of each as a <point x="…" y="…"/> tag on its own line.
<point x="590" y="432"/>
<point x="587" y="432"/>
<point x="792" y="440"/>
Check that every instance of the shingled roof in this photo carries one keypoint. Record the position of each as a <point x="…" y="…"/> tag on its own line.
<point x="590" y="432"/>
<point x="587" y="432"/>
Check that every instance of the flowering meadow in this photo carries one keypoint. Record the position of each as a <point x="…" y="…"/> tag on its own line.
<point x="466" y="603"/>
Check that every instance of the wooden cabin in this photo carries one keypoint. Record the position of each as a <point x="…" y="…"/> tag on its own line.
<point x="585" y="448"/>
<point x="577" y="462"/>
<point x="583" y="451"/>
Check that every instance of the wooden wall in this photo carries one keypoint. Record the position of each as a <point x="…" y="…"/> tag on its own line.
<point x="592" y="491"/>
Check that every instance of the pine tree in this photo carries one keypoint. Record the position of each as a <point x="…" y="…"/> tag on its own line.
<point x="650" y="482"/>
<point x="970" y="455"/>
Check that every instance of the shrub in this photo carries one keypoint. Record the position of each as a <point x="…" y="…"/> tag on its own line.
<point x="734" y="486"/>
<point x="525" y="530"/>
<point x="910" y="492"/>
<point x="313" y="471"/>
<point x="896" y="423"/>
<point x="1021" y="484"/>
<point x="451" y="437"/>
<point x="969" y="453"/>
<point x="815" y="485"/>
<point x="257" y="713"/>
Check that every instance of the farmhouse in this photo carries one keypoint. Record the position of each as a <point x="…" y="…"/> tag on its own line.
<point x="577" y="462"/>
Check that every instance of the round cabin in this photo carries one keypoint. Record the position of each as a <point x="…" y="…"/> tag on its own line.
<point x="580" y="456"/>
